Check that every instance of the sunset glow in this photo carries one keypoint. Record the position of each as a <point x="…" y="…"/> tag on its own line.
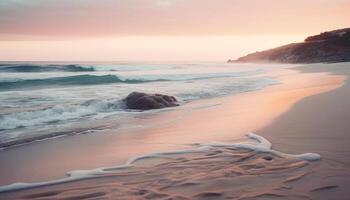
<point x="159" y="29"/>
<point x="174" y="99"/>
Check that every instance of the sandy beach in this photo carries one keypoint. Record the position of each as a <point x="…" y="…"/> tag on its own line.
<point x="306" y="114"/>
<point x="319" y="124"/>
<point x="174" y="100"/>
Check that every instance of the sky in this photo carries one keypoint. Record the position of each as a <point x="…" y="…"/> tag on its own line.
<point x="159" y="30"/>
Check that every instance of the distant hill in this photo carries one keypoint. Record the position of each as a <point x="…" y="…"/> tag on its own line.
<point x="332" y="46"/>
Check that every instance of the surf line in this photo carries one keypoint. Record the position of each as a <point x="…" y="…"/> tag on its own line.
<point x="259" y="145"/>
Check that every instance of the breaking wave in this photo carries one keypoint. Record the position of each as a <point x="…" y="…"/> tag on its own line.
<point x="44" y="68"/>
<point x="70" y="80"/>
<point x="58" y="113"/>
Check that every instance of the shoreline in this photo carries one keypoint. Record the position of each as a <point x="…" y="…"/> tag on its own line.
<point x="295" y="94"/>
<point x="319" y="123"/>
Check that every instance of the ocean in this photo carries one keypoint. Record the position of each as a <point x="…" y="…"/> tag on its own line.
<point x="40" y="100"/>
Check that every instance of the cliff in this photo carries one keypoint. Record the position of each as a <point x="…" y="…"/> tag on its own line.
<point x="332" y="46"/>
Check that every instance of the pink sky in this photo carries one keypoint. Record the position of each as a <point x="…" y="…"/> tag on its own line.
<point x="159" y="29"/>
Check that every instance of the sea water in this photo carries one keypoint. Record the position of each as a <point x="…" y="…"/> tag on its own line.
<point x="51" y="99"/>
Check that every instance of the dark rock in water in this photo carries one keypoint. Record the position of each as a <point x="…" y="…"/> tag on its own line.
<point x="143" y="101"/>
<point x="332" y="46"/>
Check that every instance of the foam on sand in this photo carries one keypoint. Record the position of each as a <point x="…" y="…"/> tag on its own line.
<point x="263" y="145"/>
<point x="255" y="145"/>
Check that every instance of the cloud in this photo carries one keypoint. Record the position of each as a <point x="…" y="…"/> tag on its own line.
<point x="100" y="18"/>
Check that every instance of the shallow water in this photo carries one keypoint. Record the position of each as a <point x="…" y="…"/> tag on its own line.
<point x="40" y="100"/>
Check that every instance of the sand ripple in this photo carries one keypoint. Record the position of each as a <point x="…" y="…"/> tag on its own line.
<point x="216" y="171"/>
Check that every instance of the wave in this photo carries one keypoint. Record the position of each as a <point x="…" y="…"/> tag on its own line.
<point x="28" y="67"/>
<point x="65" y="112"/>
<point x="59" y="113"/>
<point x="226" y="87"/>
<point x="70" y="80"/>
<point x="44" y="68"/>
<point x="257" y="145"/>
<point x="87" y="79"/>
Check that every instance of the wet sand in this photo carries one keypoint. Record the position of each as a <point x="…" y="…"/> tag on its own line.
<point x="218" y="173"/>
<point x="319" y="124"/>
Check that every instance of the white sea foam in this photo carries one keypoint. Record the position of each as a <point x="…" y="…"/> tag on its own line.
<point x="256" y="143"/>
<point x="264" y="146"/>
<point x="61" y="112"/>
<point x="58" y="113"/>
